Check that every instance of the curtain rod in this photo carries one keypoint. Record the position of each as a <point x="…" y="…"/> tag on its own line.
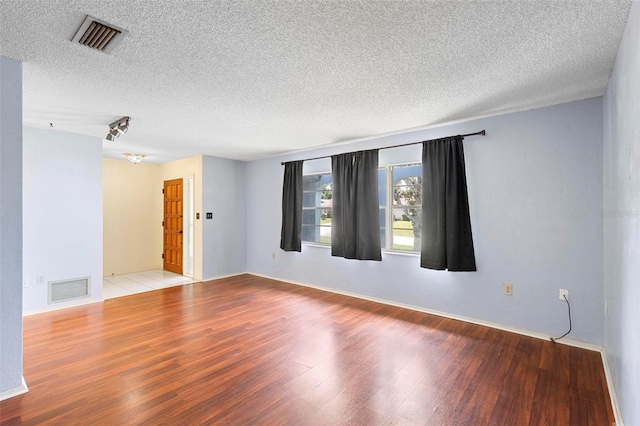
<point x="481" y="132"/>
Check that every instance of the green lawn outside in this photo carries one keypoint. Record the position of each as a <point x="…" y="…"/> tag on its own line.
<point x="326" y="222"/>
<point x="402" y="228"/>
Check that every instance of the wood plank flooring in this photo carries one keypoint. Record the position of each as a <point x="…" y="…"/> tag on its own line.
<point x="248" y="350"/>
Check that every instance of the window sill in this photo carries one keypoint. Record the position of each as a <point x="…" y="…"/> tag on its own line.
<point x="385" y="252"/>
<point x="402" y="253"/>
<point x="309" y="244"/>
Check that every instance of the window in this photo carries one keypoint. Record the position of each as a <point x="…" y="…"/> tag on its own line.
<point x="316" y="208"/>
<point x="400" y="193"/>
<point x="405" y="218"/>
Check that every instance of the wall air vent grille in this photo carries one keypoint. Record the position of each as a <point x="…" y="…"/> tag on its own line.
<point x="62" y="291"/>
<point x="98" y="35"/>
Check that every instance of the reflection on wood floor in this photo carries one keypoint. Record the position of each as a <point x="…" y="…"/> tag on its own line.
<point x="249" y="350"/>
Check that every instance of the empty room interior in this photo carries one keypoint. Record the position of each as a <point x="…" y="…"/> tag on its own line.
<point x="320" y="212"/>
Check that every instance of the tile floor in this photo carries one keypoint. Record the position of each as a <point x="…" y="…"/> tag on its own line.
<point x="138" y="282"/>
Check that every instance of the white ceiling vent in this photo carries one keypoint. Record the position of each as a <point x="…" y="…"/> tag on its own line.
<point x="99" y="35"/>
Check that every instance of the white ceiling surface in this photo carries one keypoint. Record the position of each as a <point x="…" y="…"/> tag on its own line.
<point x="250" y="79"/>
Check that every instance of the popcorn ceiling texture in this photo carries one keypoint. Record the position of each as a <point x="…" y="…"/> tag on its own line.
<point x="249" y="79"/>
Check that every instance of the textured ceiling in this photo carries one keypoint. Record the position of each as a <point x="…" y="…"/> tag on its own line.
<point x="250" y="79"/>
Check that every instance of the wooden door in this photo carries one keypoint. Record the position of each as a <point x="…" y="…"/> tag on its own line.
<point x="173" y="226"/>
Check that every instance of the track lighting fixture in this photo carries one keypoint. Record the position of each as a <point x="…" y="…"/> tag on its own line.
<point x="117" y="128"/>
<point x="134" y="158"/>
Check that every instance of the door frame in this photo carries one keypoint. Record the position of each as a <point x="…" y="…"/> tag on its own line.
<point x="188" y="224"/>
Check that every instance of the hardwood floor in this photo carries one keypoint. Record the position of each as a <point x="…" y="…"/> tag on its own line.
<point x="248" y="350"/>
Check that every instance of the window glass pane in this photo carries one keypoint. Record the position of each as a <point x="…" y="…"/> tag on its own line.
<point x="316" y="234"/>
<point x="325" y="234"/>
<point x="310" y="199"/>
<point x="382" y="186"/>
<point x="316" y="216"/>
<point x="383" y="227"/>
<point x="409" y="170"/>
<point x="407" y="228"/>
<point x="403" y="242"/>
<point x="407" y="195"/>
<point x="322" y="199"/>
<point x="407" y="215"/>
<point x="407" y="206"/>
<point x="316" y="182"/>
<point x="309" y="233"/>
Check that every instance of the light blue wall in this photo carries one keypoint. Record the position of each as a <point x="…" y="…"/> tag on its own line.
<point x="62" y="202"/>
<point x="223" y="237"/>
<point x="535" y="188"/>
<point x="622" y="220"/>
<point x="10" y="227"/>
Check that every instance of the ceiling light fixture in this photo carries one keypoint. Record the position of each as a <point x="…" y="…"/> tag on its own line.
<point x="134" y="158"/>
<point x="117" y="128"/>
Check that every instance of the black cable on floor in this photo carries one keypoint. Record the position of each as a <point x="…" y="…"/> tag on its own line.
<point x="554" y="339"/>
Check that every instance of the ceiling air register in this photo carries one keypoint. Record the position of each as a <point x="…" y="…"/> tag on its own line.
<point x="99" y="35"/>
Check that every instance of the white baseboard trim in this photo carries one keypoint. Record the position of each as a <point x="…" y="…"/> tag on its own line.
<point x="10" y="393"/>
<point x="589" y="346"/>
<point x="615" y="405"/>
<point x="569" y="342"/>
<point x="57" y="307"/>
<point x="90" y="301"/>
<point x="227" y="276"/>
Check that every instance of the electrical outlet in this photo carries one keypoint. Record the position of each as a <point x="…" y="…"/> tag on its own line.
<point x="273" y="256"/>
<point x="40" y="279"/>
<point x="25" y="284"/>
<point x="563" y="292"/>
<point x="508" y="289"/>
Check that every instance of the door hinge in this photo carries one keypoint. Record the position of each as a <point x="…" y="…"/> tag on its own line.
<point x="163" y="190"/>
<point x="163" y="223"/>
<point x="163" y="255"/>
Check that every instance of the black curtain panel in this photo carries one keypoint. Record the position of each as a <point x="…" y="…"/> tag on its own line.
<point x="355" y="223"/>
<point x="291" y="234"/>
<point x="447" y="242"/>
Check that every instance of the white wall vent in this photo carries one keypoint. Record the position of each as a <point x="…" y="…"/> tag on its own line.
<point x="99" y="35"/>
<point x="64" y="290"/>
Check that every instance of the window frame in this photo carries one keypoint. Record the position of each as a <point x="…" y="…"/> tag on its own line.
<point x="316" y="208"/>
<point x="388" y="246"/>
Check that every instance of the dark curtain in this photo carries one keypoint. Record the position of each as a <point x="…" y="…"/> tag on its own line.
<point x="291" y="234"/>
<point x="447" y="242"/>
<point x="355" y="223"/>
